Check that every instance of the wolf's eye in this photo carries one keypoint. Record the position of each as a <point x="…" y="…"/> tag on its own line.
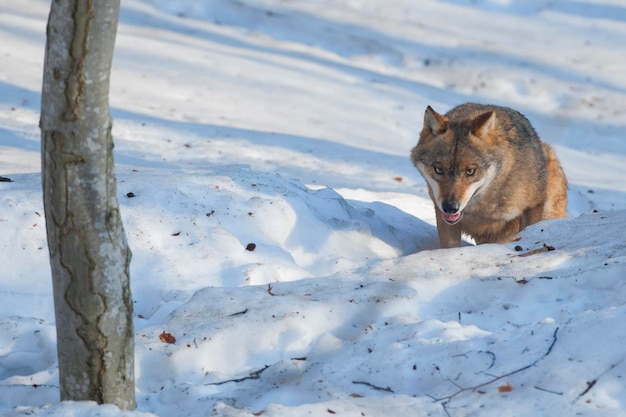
<point x="438" y="170"/>
<point x="470" y="171"/>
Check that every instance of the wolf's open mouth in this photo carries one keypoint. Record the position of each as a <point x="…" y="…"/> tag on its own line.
<point x="452" y="218"/>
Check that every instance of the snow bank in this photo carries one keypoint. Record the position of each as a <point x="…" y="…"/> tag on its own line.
<point x="282" y="239"/>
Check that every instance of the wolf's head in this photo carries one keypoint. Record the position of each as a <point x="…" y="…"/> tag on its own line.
<point x="456" y="159"/>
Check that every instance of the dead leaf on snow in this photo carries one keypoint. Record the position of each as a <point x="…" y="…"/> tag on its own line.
<point x="167" y="338"/>
<point x="505" y="388"/>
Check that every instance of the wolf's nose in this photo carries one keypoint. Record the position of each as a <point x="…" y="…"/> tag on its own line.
<point x="450" y="207"/>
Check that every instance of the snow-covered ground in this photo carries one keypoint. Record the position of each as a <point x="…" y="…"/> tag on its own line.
<point x="287" y="124"/>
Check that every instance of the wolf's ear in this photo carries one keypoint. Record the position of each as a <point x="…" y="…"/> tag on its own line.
<point x="483" y="125"/>
<point x="435" y="122"/>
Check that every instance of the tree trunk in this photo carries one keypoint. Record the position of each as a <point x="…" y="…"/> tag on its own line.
<point x="89" y="255"/>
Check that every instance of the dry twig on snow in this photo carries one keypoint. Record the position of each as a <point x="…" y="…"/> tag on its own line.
<point x="445" y="400"/>
<point x="252" y="375"/>
<point x="377" y="388"/>
<point x="592" y="383"/>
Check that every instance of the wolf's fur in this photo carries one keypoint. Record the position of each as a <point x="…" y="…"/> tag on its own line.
<point x="488" y="173"/>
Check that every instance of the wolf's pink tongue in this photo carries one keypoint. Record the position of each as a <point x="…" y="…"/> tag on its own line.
<point x="451" y="218"/>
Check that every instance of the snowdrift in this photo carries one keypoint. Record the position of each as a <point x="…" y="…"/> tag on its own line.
<point x="284" y="247"/>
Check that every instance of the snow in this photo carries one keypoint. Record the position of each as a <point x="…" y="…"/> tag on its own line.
<point x="288" y="125"/>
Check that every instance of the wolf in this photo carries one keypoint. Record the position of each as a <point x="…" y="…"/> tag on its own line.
<point x="488" y="173"/>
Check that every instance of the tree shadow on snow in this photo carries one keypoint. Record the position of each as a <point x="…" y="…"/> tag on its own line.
<point x="289" y="154"/>
<point x="349" y="40"/>
<point x="526" y="7"/>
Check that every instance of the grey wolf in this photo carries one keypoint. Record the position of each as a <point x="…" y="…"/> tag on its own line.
<point x="488" y="173"/>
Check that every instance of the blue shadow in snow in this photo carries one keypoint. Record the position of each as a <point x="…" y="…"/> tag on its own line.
<point x="349" y="39"/>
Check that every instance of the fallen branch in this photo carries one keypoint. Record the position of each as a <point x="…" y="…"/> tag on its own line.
<point x="269" y="290"/>
<point x="547" y="390"/>
<point x="251" y="375"/>
<point x="239" y="313"/>
<point x="592" y="383"/>
<point x="445" y="409"/>
<point x="377" y="388"/>
<point x="476" y="387"/>
<point x="448" y="398"/>
<point x="551" y="345"/>
<point x="545" y="248"/>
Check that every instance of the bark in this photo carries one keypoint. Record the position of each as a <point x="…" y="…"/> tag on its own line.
<point x="89" y="255"/>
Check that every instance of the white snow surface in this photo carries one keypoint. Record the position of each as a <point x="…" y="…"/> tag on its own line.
<point x="287" y="124"/>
